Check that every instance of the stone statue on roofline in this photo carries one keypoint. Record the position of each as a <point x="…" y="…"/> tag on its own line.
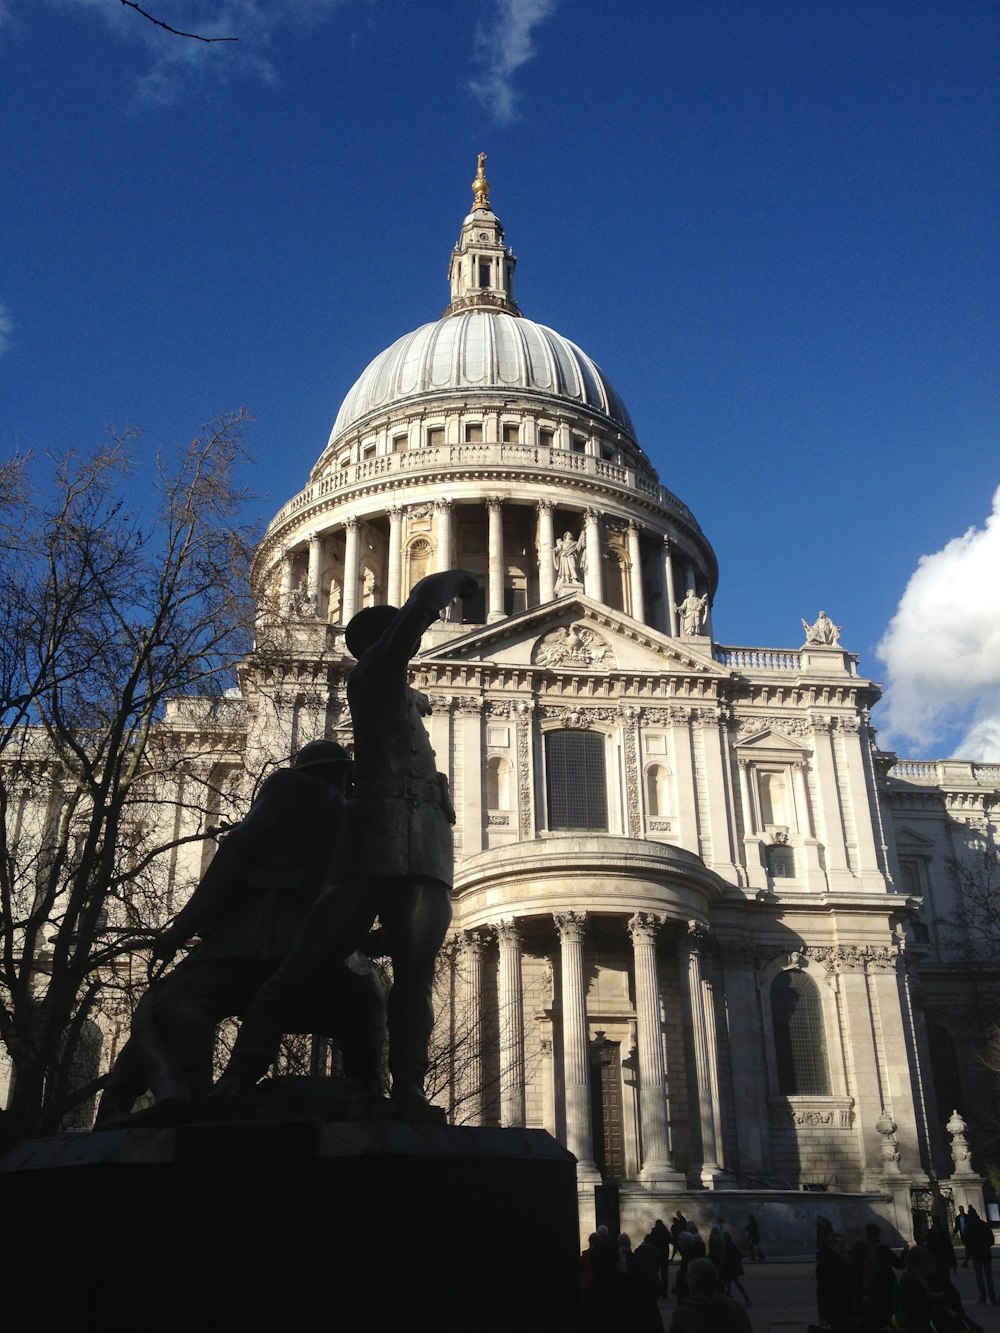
<point x="823" y="634"/>
<point x="693" y="612"/>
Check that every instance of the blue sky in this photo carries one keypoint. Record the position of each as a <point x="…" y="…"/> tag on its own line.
<point x="774" y="223"/>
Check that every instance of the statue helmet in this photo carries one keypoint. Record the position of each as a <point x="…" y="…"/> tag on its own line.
<point x="320" y="753"/>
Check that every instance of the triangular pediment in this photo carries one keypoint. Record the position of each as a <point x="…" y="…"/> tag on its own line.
<point x="572" y="635"/>
<point x="770" y="741"/>
<point x="913" y="843"/>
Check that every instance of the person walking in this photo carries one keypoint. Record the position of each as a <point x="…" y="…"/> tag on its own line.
<point x="732" y="1268"/>
<point x="836" y="1295"/>
<point x="961" y="1218"/>
<point x="978" y="1243"/>
<point x="705" y="1309"/>
<point x="752" y="1229"/>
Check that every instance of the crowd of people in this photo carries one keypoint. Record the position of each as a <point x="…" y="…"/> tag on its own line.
<point x="620" y="1285"/>
<point x="867" y="1287"/>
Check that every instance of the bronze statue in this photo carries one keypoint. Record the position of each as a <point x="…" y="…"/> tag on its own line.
<point x="396" y="860"/>
<point x="248" y="911"/>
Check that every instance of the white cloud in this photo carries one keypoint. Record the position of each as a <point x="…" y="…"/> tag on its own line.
<point x="502" y="47"/>
<point x="942" y="648"/>
<point x="179" y="64"/>
<point x="6" y="327"/>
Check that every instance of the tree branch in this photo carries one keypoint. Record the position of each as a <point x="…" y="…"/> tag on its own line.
<point x="196" y="37"/>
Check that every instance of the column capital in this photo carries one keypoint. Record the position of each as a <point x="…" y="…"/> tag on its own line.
<point x="473" y="943"/>
<point x="697" y="935"/>
<point x="643" y="927"/>
<point x="593" y="515"/>
<point x="443" y="506"/>
<point x="396" y="510"/>
<point x="634" y="526"/>
<point x="508" y="933"/>
<point x="351" y="523"/>
<point x="493" y="502"/>
<point x="544" y="506"/>
<point x="572" y="926"/>
<point x="668" y="543"/>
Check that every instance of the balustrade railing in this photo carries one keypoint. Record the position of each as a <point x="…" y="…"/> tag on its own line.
<point x="759" y="659"/>
<point x="436" y="458"/>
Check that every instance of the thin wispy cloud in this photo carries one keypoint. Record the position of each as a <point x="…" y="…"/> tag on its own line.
<point x="177" y="65"/>
<point x="6" y="327"/>
<point x="942" y="648"/>
<point x="503" y="46"/>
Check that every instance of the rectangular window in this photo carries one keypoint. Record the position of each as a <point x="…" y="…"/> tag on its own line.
<point x="511" y="433"/>
<point x="781" y="862"/>
<point x="398" y="443"/>
<point x="485" y="269"/>
<point x="473" y="432"/>
<point x="546" y="437"/>
<point x="576" y="781"/>
<point x="435" y="436"/>
<point x="578" y="444"/>
<point x="368" y="450"/>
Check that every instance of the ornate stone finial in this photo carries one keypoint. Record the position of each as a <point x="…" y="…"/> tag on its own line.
<point x="960" y="1152"/>
<point x="888" y="1148"/>
<point x="481" y="186"/>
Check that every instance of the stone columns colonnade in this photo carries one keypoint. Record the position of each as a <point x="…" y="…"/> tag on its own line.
<point x="573" y="1078"/>
<point x="590" y="527"/>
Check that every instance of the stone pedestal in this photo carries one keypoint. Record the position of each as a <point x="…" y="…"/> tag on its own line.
<point x="243" y="1227"/>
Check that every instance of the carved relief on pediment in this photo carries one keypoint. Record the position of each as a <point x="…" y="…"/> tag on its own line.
<point x="573" y="646"/>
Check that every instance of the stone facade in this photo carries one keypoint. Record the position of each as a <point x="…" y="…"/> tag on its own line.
<point x="688" y="928"/>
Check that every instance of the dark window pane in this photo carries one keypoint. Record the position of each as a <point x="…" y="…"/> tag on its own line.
<point x="799" y="1045"/>
<point x="577" y="788"/>
<point x="781" y="862"/>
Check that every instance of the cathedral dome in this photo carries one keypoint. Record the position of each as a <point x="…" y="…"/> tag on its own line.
<point x="483" y="350"/>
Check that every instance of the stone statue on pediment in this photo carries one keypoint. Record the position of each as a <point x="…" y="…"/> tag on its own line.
<point x="693" y="612"/>
<point x="572" y="645"/>
<point x="823" y="634"/>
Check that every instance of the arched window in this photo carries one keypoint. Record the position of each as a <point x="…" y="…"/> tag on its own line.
<point x="575" y="780"/>
<point x="799" y="1043"/>
<point x="657" y="792"/>
<point x="497" y="783"/>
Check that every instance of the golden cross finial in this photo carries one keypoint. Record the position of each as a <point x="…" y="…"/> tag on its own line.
<point x="481" y="186"/>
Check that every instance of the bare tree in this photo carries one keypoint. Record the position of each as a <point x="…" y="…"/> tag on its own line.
<point x="109" y="619"/>
<point x="976" y="880"/>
